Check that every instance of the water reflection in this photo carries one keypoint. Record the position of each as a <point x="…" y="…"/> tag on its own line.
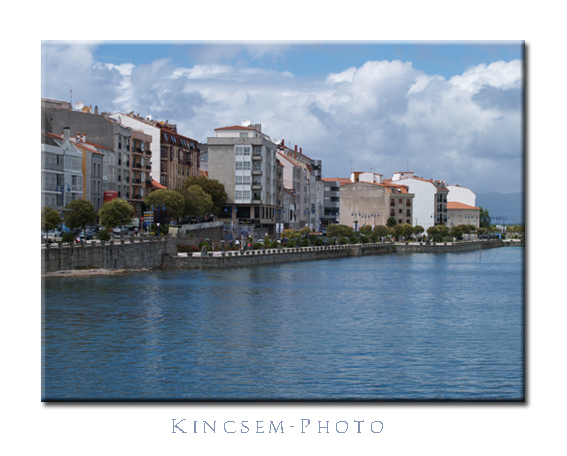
<point x="392" y="326"/>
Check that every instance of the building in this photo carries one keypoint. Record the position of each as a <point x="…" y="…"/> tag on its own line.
<point x="462" y="214"/>
<point x="101" y="130"/>
<point x="147" y="126"/>
<point x="141" y="180"/>
<point x="371" y="203"/>
<point x="330" y="204"/>
<point x="243" y="159"/>
<point x="61" y="171"/>
<point x="430" y="201"/>
<point x="180" y="158"/>
<point x="305" y="182"/>
<point x="458" y="194"/>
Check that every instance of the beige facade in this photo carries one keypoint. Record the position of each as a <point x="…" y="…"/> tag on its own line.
<point x="365" y="203"/>
<point x="462" y="214"/>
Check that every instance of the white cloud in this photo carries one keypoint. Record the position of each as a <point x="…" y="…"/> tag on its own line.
<point x="380" y="115"/>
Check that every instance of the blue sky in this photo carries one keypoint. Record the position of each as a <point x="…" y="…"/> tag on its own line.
<point x="449" y="111"/>
<point x="317" y="58"/>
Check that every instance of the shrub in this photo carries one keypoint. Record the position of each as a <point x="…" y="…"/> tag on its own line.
<point x="304" y="243"/>
<point x="187" y="248"/>
<point x="343" y="240"/>
<point x="103" y="235"/>
<point x="68" y="237"/>
<point x="273" y="245"/>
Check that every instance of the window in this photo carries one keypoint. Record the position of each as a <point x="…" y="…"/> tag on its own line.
<point x="238" y="150"/>
<point x="238" y="194"/>
<point x="244" y="135"/>
<point x="246" y="166"/>
<point x="238" y="180"/>
<point x="239" y="165"/>
<point x="246" y="180"/>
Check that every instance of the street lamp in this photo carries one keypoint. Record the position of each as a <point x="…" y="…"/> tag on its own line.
<point x="62" y="191"/>
<point x="158" y="209"/>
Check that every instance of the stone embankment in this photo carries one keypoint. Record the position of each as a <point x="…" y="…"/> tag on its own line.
<point x="140" y="253"/>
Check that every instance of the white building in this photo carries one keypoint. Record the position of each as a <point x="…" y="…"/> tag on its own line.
<point x="146" y="126"/>
<point x="462" y="195"/>
<point x="61" y="171"/>
<point x="430" y="201"/>
<point x="243" y="159"/>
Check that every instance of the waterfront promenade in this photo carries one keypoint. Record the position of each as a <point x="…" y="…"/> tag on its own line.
<point x="153" y="253"/>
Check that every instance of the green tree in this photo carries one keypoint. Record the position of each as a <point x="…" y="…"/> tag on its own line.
<point x="79" y="213"/>
<point x="433" y="232"/>
<point x="173" y="202"/>
<point x="381" y="231"/>
<point x="484" y="217"/>
<point x="418" y="230"/>
<point x="443" y="230"/>
<point x="366" y="229"/>
<point x="214" y="188"/>
<point x="116" y="213"/>
<point x="50" y="219"/>
<point x="337" y="231"/>
<point x="407" y="230"/>
<point x="391" y="222"/>
<point x="197" y="201"/>
<point x="456" y="231"/>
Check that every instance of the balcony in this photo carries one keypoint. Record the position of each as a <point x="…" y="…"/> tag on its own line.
<point x="136" y="181"/>
<point x="136" y="165"/>
<point x="137" y="151"/>
<point x="257" y="157"/>
<point x="256" y="172"/>
<point x="256" y="185"/>
<point x="149" y="166"/>
<point x="148" y="152"/>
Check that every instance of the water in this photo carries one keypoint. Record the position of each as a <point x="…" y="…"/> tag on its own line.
<point x="406" y="327"/>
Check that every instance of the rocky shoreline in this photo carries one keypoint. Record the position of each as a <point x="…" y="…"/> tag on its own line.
<point x="91" y="272"/>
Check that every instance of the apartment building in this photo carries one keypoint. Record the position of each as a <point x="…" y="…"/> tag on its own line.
<point x="305" y="182"/>
<point x="430" y="202"/>
<point x="101" y="130"/>
<point x="61" y="171"/>
<point x="244" y="160"/>
<point x="140" y="178"/>
<point x="462" y="214"/>
<point x="330" y="203"/>
<point x="180" y="157"/>
<point x="372" y="203"/>
<point x="458" y="194"/>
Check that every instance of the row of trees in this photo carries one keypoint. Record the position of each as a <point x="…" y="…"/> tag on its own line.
<point x="199" y="196"/>
<point x="78" y="214"/>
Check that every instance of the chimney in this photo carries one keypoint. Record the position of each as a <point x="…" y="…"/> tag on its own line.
<point x="283" y="142"/>
<point x="295" y="152"/>
<point x="300" y="153"/>
<point x="78" y="136"/>
<point x="66" y="133"/>
<point x="96" y="109"/>
<point x="84" y="138"/>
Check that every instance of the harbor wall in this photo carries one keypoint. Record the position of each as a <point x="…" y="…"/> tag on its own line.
<point x="143" y="252"/>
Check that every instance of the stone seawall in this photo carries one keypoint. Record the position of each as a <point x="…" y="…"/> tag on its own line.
<point x="416" y="247"/>
<point x="132" y="254"/>
<point x="240" y="258"/>
<point x="137" y="253"/>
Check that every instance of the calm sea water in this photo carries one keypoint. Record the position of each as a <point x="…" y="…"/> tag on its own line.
<point x="408" y="327"/>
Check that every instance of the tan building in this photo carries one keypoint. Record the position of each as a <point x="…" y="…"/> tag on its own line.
<point x="462" y="214"/>
<point x="367" y="203"/>
<point x="180" y="158"/>
<point x="141" y="167"/>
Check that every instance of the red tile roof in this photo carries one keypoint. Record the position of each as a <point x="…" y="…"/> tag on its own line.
<point x="235" y="127"/>
<point x="456" y="205"/>
<point x="156" y="184"/>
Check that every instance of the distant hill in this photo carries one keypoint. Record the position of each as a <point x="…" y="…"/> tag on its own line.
<point x="510" y="205"/>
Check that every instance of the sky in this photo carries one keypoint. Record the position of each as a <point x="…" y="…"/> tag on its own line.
<point x="451" y="111"/>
